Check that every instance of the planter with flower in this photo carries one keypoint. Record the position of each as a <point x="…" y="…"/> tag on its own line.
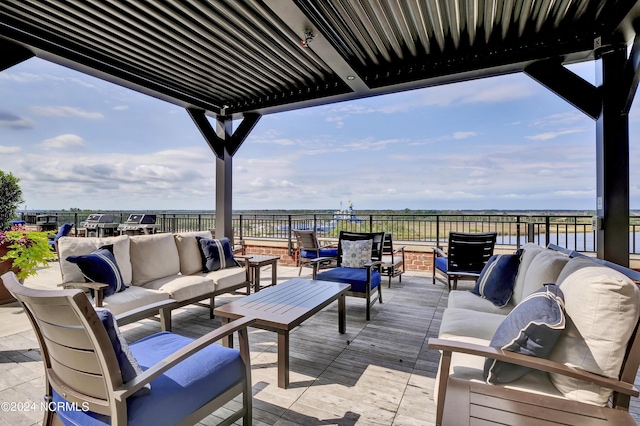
<point x="22" y="251"/>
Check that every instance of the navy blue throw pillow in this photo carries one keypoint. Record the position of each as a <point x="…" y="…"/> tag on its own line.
<point x="532" y="328"/>
<point x="497" y="278"/>
<point x="100" y="266"/>
<point x="216" y="253"/>
<point x="129" y="367"/>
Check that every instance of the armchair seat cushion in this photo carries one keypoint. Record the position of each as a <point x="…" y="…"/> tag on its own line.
<point x="441" y="264"/>
<point x="355" y="276"/>
<point x="388" y="260"/>
<point x="311" y="254"/>
<point x="179" y="391"/>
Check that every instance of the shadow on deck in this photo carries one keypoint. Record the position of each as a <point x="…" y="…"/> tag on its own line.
<point x="379" y="372"/>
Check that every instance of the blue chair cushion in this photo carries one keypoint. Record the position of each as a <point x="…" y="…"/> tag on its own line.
<point x="329" y="252"/>
<point x="178" y="392"/>
<point x="441" y="264"/>
<point x="216" y="254"/>
<point x="497" y="278"/>
<point x="354" y="276"/>
<point x="531" y="328"/>
<point x="129" y="367"/>
<point x="62" y="232"/>
<point x="100" y="266"/>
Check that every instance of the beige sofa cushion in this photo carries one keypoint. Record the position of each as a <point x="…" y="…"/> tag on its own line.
<point x="602" y="307"/>
<point x="464" y="299"/>
<point x="189" y="251"/>
<point x="153" y="257"/>
<point x="227" y="277"/>
<point x="74" y="246"/>
<point x="529" y="252"/>
<point x="544" y="269"/>
<point x="468" y="323"/>
<point x="133" y="297"/>
<point x="182" y="287"/>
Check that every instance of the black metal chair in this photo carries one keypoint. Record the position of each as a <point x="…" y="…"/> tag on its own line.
<point x="365" y="281"/>
<point x="466" y="256"/>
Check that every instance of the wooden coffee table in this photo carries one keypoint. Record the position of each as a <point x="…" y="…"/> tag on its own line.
<point x="283" y="307"/>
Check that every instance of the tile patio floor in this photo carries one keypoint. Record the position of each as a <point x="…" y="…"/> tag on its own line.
<point x="378" y="373"/>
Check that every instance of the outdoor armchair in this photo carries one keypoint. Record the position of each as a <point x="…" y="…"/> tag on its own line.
<point x="466" y="256"/>
<point x="392" y="259"/>
<point x="358" y="263"/>
<point x="166" y="379"/>
<point x="309" y="248"/>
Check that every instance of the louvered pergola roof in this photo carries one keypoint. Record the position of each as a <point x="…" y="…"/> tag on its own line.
<point x="232" y="57"/>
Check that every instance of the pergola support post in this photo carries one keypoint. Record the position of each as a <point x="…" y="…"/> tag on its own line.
<point x="224" y="187"/>
<point x="612" y="159"/>
<point x="224" y="143"/>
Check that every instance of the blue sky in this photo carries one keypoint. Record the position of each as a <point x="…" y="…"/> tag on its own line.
<point x="496" y="143"/>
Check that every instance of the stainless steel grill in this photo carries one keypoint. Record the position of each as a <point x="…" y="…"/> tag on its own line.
<point x="139" y="224"/>
<point x="100" y="225"/>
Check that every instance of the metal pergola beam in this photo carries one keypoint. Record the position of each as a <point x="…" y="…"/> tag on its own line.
<point x="569" y="86"/>
<point x="632" y="74"/>
<point x="12" y="54"/>
<point x="224" y="143"/>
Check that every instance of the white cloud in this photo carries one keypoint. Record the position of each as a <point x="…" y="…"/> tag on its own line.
<point x="339" y="120"/>
<point x="552" y="135"/>
<point x="65" y="111"/>
<point x="283" y="141"/>
<point x="9" y="149"/>
<point x="463" y="135"/>
<point x="67" y="140"/>
<point x="562" y="119"/>
<point x="22" y="77"/>
<point x="271" y="183"/>
<point x="120" y="108"/>
<point x="499" y="93"/>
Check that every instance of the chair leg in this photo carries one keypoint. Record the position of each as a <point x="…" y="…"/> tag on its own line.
<point x="379" y="293"/>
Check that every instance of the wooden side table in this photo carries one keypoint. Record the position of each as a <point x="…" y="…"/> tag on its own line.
<point x="257" y="261"/>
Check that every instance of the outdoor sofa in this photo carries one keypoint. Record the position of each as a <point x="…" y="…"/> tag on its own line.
<point x="161" y="272"/>
<point x="594" y="348"/>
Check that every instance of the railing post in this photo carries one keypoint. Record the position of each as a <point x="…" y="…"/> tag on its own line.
<point x="241" y="228"/>
<point x="289" y="243"/>
<point x="199" y="222"/>
<point x="517" y="232"/>
<point x="547" y="224"/>
<point x="370" y="223"/>
<point x="75" y="223"/>
<point x="164" y="222"/>
<point x="437" y="230"/>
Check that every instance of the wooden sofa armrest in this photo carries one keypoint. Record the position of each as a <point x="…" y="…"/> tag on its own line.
<point x="449" y="346"/>
<point x="180" y="355"/>
<point x="98" y="288"/>
<point x="144" y="312"/>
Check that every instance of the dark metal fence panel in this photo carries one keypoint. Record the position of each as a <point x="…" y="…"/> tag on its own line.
<point x="571" y="231"/>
